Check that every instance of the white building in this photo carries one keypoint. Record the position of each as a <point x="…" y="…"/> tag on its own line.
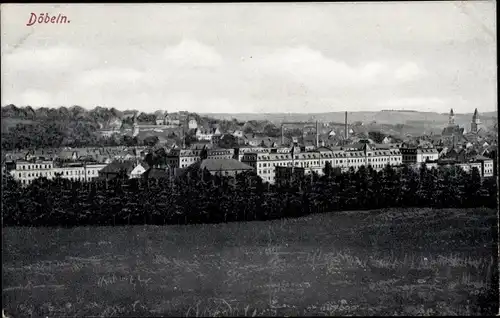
<point x="27" y="171"/>
<point x="192" y="124"/>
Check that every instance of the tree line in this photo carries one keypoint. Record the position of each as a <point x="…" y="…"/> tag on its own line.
<point x="29" y="128"/>
<point x="199" y="197"/>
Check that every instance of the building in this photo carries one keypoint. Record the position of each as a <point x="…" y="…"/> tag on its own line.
<point x="265" y="163"/>
<point x="157" y="173"/>
<point x="238" y="133"/>
<point x="411" y="156"/>
<point x="171" y="120"/>
<point x="26" y="171"/>
<point x="467" y="166"/>
<point x="467" y="161"/>
<point x="476" y="123"/>
<point x="131" y="169"/>
<point x="220" y="167"/>
<point x="452" y="130"/>
<point x="220" y="153"/>
<point x="379" y="158"/>
<point x="487" y="166"/>
<point x="216" y="138"/>
<point x="183" y="158"/>
<point x="287" y="174"/>
<point x="79" y="171"/>
<point x="192" y="124"/>
<point x="310" y="161"/>
<point x="241" y="151"/>
<point x="205" y="134"/>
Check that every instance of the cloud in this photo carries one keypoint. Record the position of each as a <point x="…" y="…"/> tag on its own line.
<point x="35" y="97"/>
<point x="315" y="70"/>
<point x="117" y="76"/>
<point x="192" y="54"/>
<point x="407" y="72"/>
<point x="46" y="59"/>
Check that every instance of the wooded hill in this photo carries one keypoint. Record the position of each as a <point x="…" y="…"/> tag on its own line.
<point x="26" y="127"/>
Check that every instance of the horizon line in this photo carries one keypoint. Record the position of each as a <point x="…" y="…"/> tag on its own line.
<point x="254" y="113"/>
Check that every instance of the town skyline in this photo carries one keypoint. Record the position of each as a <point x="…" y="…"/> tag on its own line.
<point x="246" y="58"/>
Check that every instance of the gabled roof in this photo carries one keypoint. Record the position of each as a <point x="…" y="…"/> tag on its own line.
<point x="323" y="149"/>
<point x="220" y="165"/>
<point x="156" y="173"/>
<point x="480" y="157"/>
<point x="125" y="166"/>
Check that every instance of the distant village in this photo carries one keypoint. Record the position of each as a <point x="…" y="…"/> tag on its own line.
<point x="183" y="143"/>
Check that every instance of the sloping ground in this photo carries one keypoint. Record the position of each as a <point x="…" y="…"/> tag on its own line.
<point x="12" y="122"/>
<point x="406" y="262"/>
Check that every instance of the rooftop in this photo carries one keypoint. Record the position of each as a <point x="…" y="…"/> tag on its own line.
<point x="222" y="164"/>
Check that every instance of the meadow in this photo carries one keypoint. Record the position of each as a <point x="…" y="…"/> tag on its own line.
<point x="382" y="262"/>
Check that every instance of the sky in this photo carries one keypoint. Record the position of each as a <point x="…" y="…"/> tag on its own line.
<point x="253" y="58"/>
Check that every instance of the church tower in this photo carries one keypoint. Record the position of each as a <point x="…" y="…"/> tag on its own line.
<point x="474" y="126"/>
<point x="451" y="118"/>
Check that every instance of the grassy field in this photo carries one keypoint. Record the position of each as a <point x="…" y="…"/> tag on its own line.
<point x="406" y="262"/>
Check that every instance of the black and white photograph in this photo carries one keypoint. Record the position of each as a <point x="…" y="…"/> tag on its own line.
<point x="249" y="159"/>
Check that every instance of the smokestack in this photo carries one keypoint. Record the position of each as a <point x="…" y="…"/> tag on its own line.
<point x="317" y="135"/>
<point x="346" y="133"/>
<point x="282" y="138"/>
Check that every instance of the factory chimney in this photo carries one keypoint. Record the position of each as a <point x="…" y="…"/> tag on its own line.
<point x="317" y="135"/>
<point x="346" y="131"/>
<point x="282" y="137"/>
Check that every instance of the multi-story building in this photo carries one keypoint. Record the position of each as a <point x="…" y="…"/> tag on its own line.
<point x="310" y="161"/>
<point x="182" y="158"/>
<point x="78" y="171"/>
<point x="468" y="166"/>
<point x="241" y="151"/>
<point x="315" y="161"/>
<point x="484" y="165"/>
<point x="219" y="167"/>
<point x="378" y="159"/>
<point x="286" y="174"/>
<point x="264" y="163"/>
<point x="487" y="166"/>
<point x="132" y="169"/>
<point x="220" y="153"/>
<point x="207" y="134"/>
<point x="27" y="171"/>
<point x="411" y="156"/>
<point x="192" y="124"/>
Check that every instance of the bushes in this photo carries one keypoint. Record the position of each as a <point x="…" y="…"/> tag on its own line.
<point x="201" y="198"/>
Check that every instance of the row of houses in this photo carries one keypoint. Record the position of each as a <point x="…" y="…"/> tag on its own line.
<point x="263" y="160"/>
<point x="25" y="171"/>
<point x="89" y="154"/>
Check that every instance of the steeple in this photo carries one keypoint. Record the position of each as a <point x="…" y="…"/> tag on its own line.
<point x="474" y="126"/>
<point x="451" y="118"/>
<point x="475" y="117"/>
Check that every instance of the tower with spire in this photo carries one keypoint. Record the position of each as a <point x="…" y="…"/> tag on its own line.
<point x="451" y="118"/>
<point x="476" y="122"/>
<point x="452" y="129"/>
